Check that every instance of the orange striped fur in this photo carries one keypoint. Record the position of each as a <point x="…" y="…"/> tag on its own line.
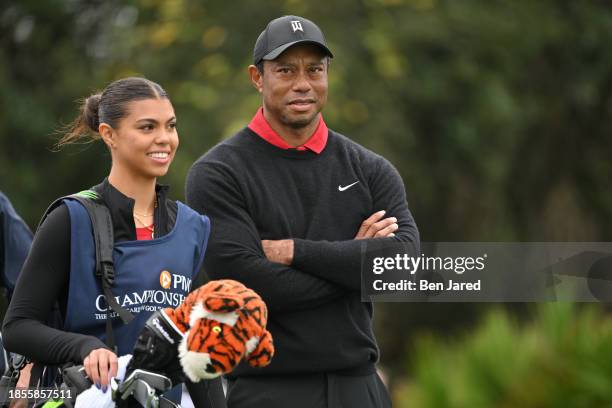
<point x="215" y="306"/>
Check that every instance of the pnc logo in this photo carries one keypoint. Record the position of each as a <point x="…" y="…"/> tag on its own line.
<point x="165" y="279"/>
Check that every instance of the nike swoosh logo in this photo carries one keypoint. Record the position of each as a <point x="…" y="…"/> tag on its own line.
<point x="340" y="188"/>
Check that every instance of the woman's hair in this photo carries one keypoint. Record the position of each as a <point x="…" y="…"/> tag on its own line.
<point x="109" y="106"/>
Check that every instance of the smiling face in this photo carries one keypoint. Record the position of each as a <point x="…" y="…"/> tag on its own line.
<point x="144" y="142"/>
<point x="294" y="86"/>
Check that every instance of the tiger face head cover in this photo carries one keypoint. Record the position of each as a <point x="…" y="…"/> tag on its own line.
<point x="222" y="322"/>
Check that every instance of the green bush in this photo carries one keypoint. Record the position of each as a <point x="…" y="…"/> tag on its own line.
<point x="562" y="359"/>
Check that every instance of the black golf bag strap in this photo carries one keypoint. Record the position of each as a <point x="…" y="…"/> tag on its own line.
<point x="104" y="242"/>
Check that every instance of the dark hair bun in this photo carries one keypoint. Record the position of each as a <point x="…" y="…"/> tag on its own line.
<point x="91" y="112"/>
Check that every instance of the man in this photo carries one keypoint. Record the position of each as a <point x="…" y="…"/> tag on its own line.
<point x="15" y="241"/>
<point x="289" y="202"/>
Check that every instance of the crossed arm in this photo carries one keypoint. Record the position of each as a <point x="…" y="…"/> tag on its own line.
<point x="340" y="261"/>
<point x="235" y="249"/>
<point x="375" y="226"/>
<point x="292" y="274"/>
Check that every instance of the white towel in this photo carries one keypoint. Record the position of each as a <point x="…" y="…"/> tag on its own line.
<point x="95" y="398"/>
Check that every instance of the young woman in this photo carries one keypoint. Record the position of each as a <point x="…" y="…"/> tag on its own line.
<point x="159" y="243"/>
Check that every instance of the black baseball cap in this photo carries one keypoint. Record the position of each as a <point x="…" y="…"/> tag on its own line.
<point x="283" y="32"/>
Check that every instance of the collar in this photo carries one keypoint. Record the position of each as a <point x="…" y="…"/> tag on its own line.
<point x="121" y="208"/>
<point x="316" y="143"/>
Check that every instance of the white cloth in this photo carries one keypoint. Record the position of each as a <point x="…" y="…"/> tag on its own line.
<point x="186" y="401"/>
<point x="95" y="398"/>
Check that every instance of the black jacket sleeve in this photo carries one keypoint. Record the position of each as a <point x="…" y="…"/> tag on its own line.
<point x="340" y="261"/>
<point x="235" y="251"/>
<point x="43" y="283"/>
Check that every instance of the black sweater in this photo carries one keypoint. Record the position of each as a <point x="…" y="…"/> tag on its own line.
<point x="253" y="190"/>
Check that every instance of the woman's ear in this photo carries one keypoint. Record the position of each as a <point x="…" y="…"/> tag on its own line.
<point x="107" y="134"/>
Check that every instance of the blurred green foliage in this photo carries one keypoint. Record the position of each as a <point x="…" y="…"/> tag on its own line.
<point x="562" y="359"/>
<point x="496" y="113"/>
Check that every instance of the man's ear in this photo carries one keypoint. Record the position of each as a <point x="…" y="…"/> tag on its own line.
<point x="256" y="78"/>
<point x="107" y="134"/>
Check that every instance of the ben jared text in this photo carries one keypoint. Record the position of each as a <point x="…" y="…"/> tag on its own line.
<point x="432" y="267"/>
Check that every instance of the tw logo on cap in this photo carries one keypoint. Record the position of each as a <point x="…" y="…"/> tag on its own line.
<point x="296" y="25"/>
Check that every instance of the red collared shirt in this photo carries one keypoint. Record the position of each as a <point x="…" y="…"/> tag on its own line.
<point x="316" y="143"/>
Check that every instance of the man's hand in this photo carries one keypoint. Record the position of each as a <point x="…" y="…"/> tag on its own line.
<point x="377" y="227"/>
<point x="279" y="251"/>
